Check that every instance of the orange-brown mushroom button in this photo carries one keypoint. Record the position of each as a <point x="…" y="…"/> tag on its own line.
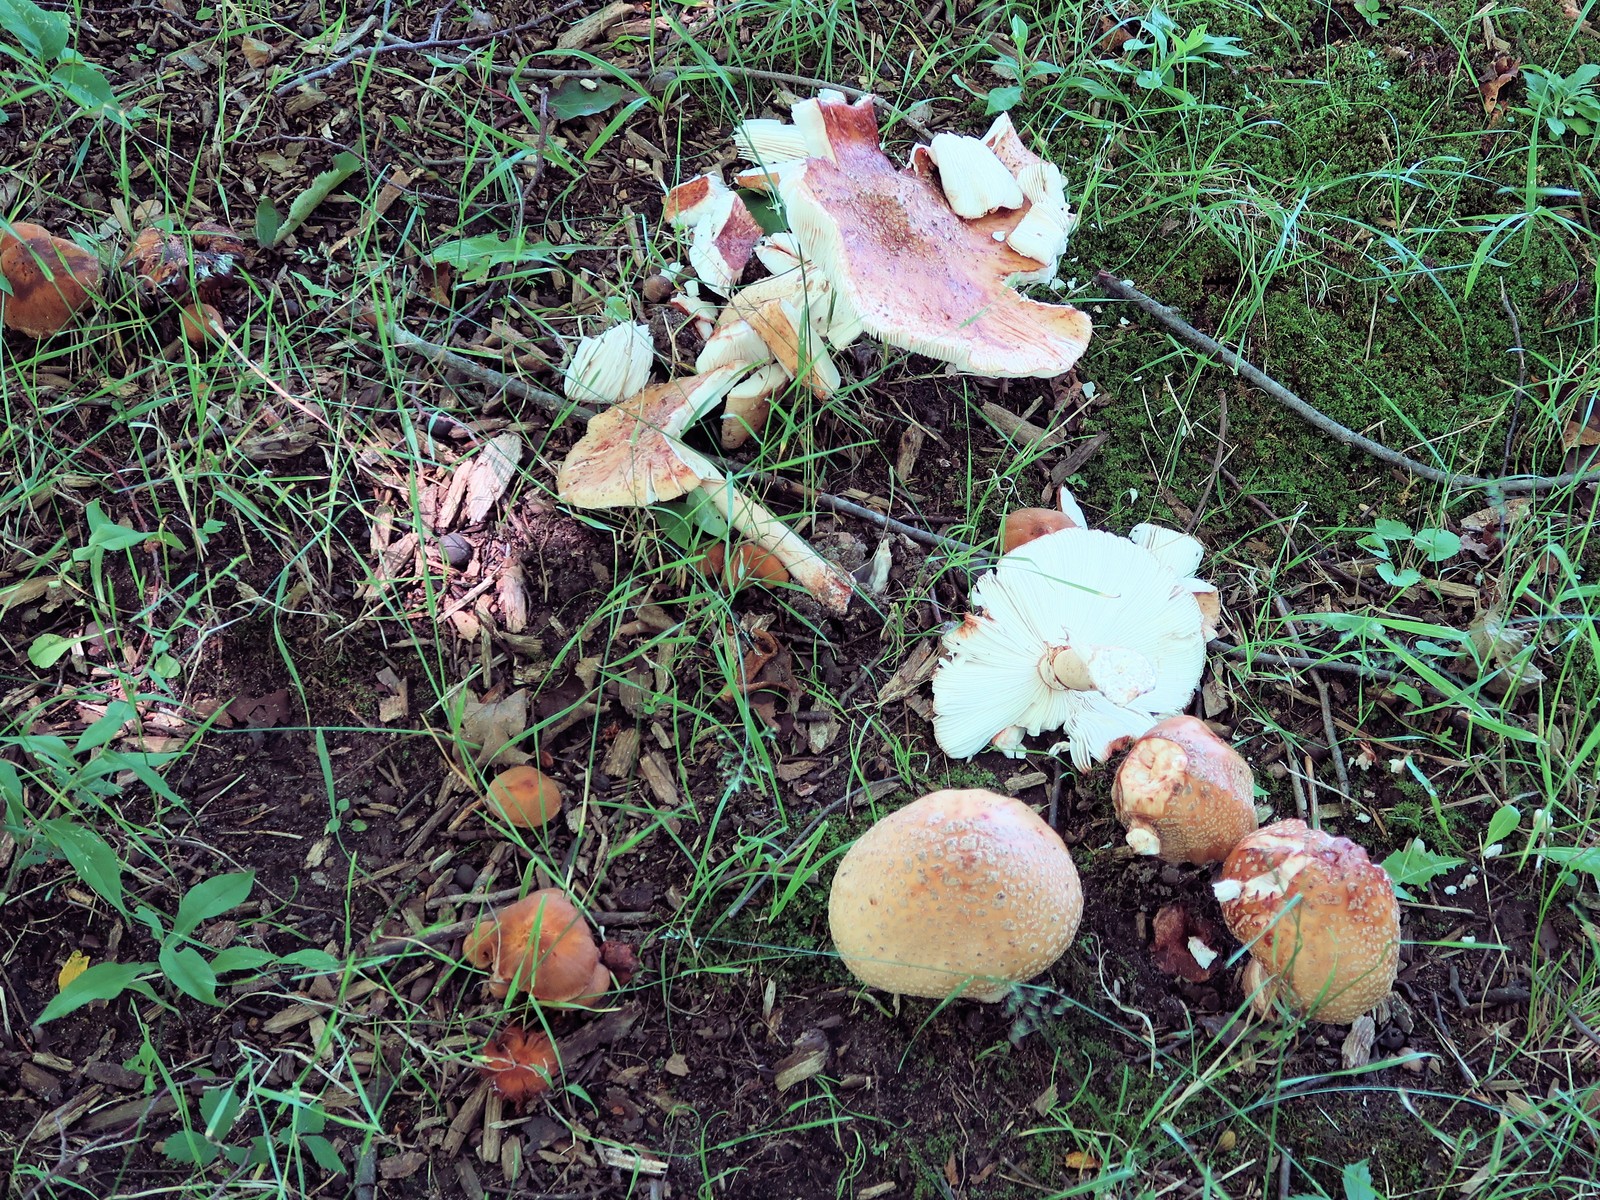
<point x="1184" y="794"/>
<point x="201" y="264"/>
<point x="50" y="280"/>
<point x="520" y="1065"/>
<point x="524" y="796"/>
<point x="1320" y="920"/>
<point x="961" y="893"/>
<point x="540" y="945"/>
<point x="1023" y="525"/>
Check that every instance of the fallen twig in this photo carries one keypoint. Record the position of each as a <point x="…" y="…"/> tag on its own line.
<point x="1378" y="674"/>
<point x="1522" y="375"/>
<point x="838" y="504"/>
<point x="1330" y="730"/>
<point x="488" y="376"/>
<point x="1196" y="340"/>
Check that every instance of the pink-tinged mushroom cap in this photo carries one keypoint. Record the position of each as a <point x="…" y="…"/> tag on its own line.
<point x="917" y="275"/>
<point x="960" y="893"/>
<point x="1319" y="918"/>
<point x="1184" y="794"/>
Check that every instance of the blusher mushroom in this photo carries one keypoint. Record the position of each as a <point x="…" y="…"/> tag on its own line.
<point x="1184" y="794"/>
<point x="611" y="366"/>
<point x="520" y="1065"/>
<point x="1078" y="630"/>
<point x="916" y="274"/>
<point x="630" y="457"/>
<point x="1319" y="918"/>
<point x="1023" y="525"/>
<point x="540" y="945"/>
<point x="524" y="796"/>
<point x="960" y="893"/>
<point x="50" y="279"/>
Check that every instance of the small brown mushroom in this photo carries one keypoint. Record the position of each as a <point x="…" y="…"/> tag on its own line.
<point x="747" y="564"/>
<point x="524" y="796"/>
<point x="1184" y="794"/>
<point x="50" y="280"/>
<point x="540" y="945"/>
<point x="1320" y="920"/>
<point x="520" y="1065"/>
<point x="1022" y="525"/>
<point x="199" y="322"/>
<point x="202" y="263"/>
<point x="963" y="892"/>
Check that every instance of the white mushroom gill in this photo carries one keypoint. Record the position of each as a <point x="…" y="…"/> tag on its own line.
<point x="1079" y="630"/>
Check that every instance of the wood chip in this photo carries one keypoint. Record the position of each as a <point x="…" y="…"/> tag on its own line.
<point x="492" y="472"/>
<point x="653" y="767"/>
<point x="1025" y="433"/>
<point x="913" y="673"/>
<point x="465" y="1121"/>
<point x="591" y="29"/>
<point x="1357" y="1048"/>
<point x="622" y="756"/>
<point x="57" y="1121"/>
<point x="631" y="1161"/>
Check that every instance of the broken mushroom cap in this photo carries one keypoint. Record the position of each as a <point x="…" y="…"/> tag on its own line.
<point x="520" y="1065"/>
<point x="50" y="280"/>
<point x="199" y="264"/>
<point x="524" y="796"/>
<point x="611" y="366"/>
<point x="1318" y="915"/>
<point x="722" y="232"/>
<point x="1182" y="554"/>
<point x="747" y="564"/>
<point x="961" y="893"/>
<point x="1184" y="794"/>
<point x="540" y="945"/>
<point x="1078" y="630"/>
<point x="918" y="275"/>
<point x="630" y="456"/>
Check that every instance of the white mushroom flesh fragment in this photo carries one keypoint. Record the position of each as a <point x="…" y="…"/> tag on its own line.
<point x="1068" y="503"/>
<point x="699" y="310"/>
<point x="1276" y="881"/>
<point x="974" y="181"/>
<point x="732" y="345"/>
<point x="722" y="241"/>
<point x="1042" y="235"/>
<point x="1072" y="587"/>
<point x="1179" y="551"/>
<point x="765" y="141"/>
<point x="1143" y="841"/>
<point x="611" y="366"/>
<point x="1227" y="889"/>
<point x="1203" y="954"/>
<point x="691" y="200"/>
<point x="779" y="252"/>
<point x="747" y="405"/>
<point x="768" y="177"/>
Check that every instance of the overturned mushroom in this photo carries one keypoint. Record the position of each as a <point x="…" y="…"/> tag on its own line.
<point x="918" y="275"/>
<point x="540" y="945"/>
<point x="961" y="893"/>
<point x="630" y="457"/>
<point x="1078" y="630"/>
<point x="1320" y="920"/>
<point x="49" y="280"/>
<point x="1184" y="794"/>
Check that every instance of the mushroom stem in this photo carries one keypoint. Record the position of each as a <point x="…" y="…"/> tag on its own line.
<point x="827" y="583"/>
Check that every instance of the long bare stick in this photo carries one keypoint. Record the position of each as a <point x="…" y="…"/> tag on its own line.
<point x="1196" y="340"/>
<point x="488" y="376"/>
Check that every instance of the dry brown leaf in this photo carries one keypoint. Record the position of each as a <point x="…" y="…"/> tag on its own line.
<point x="256" y="52"/>
<point x="1502" y="72"/>
<point x="492" y="726"/>
<point x="492" y="472"/>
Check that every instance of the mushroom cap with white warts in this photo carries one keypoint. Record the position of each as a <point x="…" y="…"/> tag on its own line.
<point x="1318" y="915"/>
<point x="915" y="274"/>
<point x="610" y="366"/>
<point x="973" y="179"/>
<point x="960" y="893"/>
<point x="1079" y="603"/>
<point x="1184" y="794"/>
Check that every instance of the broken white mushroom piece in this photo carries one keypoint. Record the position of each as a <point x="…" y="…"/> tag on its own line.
<point x="1320" y="920"/>
<point x="915" y="273"/>
<point x="765" y="142"/>
<point x="699" y="310"/>
<point x="630" y="457"/>
<point x="611" y="366"/>
<point x="961" y="893"/>
<point x="734" y="344"/>
<point x="779" y="253"/>
<point x="691" y="200"/>
<point x="1078" y="630"/>
<point x="1184" y="794"/>
<point x="795" y="344"/>
<point x="746" y="407"/>
<point x="974" y="181"/>
<point x="722" y="233"/>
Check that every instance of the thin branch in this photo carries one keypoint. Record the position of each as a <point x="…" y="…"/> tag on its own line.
<point x="1196" y="340"/>
<point x="1378" y="674"/>
<point x="429" y="43"/>
<point x="951" y="546"/>
<point x="560" y="406"/>
<point x="1329" y="729"/>
<point x="1522" y="375"/>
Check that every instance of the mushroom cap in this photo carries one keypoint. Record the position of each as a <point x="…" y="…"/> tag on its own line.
<point x="1184" y="793"/>
<point x="520" y="1065"/>
<point x="524" y="796"/>
<point x="748" y="563"/>
<point x="916" y="274"/>
<point x="1113" y="604"/>
<point x="629" y="457"/>
<point x="540" y="945"/>
<point x="1318" y="915"/>
<point x="594" y="992"/>
<point x="51" y="279"/>
<point x="962" y="892"/>
<point x="1022" y="525"/>
<point x="200" y="264"/>
<point x="199" y="322"/>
